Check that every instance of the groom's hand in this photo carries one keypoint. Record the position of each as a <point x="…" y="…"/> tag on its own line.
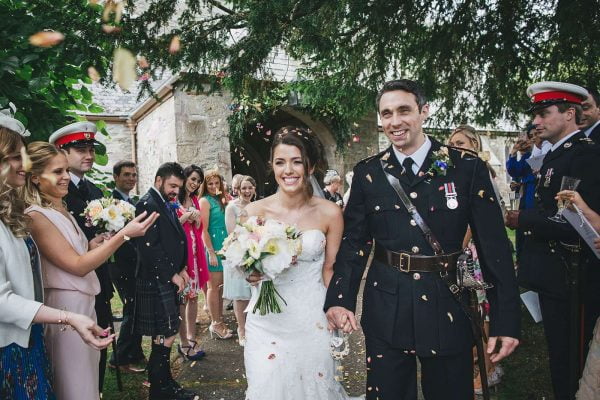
<point x="341" y="318"/>
<point x="508" y="346"/>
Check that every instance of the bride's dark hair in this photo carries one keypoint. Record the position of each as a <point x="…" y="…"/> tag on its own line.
<point x="306" y="142"/>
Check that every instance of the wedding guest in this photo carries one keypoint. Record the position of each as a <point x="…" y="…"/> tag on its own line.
<point x="78" y="141"/>
<point x="235" y="185"/>
<point x="161" y="278"/>
<point x="214" y="232"/>
<point x="524" y="180"/>
<point x="235" y="286"/>
<point x="333" y="181"/>
<point x="196" y="267"/>
<point x="130" y="356"/>
<point x="466" y="137"/>
<point x="70" y="283"/>
<point x="25" y="372"/>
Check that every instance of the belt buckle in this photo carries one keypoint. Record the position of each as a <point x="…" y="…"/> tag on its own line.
<point x="407" y="257"/>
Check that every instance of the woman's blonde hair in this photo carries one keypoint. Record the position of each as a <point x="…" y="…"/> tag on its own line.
<point x="210" y="174"/>
<point x="12" y="206"/>
<point x="40" y="154"/>
<point x="470" y="134"/>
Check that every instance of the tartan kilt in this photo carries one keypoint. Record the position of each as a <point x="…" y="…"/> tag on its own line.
<point x="156" y="308"/>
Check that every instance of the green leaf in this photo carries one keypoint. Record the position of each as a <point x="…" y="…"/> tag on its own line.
<point x="96" y="109"/>
<point x="36" y="84"/>
<point x="102" y="159"/>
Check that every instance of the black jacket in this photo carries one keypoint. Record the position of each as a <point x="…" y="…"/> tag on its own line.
<point x="417" y="311"/>
<point x="541" y="267"/>
<point x="125" y="256"/>
<point x="163" y="250"/>
<point x="76" y="202"/>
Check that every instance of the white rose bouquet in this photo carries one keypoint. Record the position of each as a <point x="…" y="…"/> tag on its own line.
<point x="108" y="214"/>
<point x="267" y="247"/>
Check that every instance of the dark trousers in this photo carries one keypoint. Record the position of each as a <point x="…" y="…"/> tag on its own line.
<point x="555" y="314"/>
<point x="392" y="374"/>
<point x="129" y="345"/>
<point x="104" y="317"/>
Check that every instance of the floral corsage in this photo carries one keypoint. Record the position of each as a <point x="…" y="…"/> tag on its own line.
<point x="441" y="162"/>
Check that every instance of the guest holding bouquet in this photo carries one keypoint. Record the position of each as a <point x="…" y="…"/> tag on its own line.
<point x="68" y="262"/>
<point x="235" y="286"/>
<point x="24" y="368"/>
<point x="214" y="232"/>
<point x="188" y="213"/>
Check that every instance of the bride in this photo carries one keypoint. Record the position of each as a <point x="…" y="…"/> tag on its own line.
<point x="287" y="354"/>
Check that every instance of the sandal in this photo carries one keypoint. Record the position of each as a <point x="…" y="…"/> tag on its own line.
<point x="186" y="354"/>
<point x="221" y="334"/>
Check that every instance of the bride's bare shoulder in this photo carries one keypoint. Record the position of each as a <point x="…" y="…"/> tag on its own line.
<point x="260" y="207"/>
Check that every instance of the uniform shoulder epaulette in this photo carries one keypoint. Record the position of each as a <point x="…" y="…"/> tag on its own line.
<point x="586" y="140"/>
<point x="367" y="159"/>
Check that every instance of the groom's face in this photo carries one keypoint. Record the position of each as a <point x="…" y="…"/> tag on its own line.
<point x="402" y="119"/>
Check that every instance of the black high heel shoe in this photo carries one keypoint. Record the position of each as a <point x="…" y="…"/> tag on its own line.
<point x="186" y="354"/>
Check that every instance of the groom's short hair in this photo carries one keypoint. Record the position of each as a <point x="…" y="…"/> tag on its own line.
<point x="406" y="85"/>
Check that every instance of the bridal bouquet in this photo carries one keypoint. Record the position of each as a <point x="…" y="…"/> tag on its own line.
<point x="265" y="246"/>
<point x="108" y="214"/>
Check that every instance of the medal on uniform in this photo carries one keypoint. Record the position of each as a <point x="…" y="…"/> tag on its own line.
<point x="451" y="195"/>
<point x="548" y="176"/>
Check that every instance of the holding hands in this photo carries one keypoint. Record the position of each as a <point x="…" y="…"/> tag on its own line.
<point x="341" y="318"/>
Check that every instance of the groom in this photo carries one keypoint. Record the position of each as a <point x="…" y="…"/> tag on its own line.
<point x="409" y="310"/>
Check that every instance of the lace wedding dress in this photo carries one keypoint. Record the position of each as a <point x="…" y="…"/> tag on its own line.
<point x="287" y="354"/>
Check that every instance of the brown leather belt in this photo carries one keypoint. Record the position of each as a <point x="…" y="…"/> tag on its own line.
<point x="406" y="262"/>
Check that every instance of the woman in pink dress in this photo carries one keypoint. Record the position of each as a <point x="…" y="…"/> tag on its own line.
<point x="68" y="263"/>
<point x="188" y="211"/>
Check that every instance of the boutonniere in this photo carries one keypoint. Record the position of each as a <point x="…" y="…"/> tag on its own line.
<point x="441" y="162"/>
<point x="174" y="205"/>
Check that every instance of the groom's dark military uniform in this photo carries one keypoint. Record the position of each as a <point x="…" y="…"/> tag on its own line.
<point x="408" y="313"/>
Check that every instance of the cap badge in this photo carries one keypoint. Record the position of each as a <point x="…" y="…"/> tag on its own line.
<point x="87" y="135"/>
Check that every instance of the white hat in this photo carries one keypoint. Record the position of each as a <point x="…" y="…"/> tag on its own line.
<point x="545" y="94"/>
<point x="78" y="133"/>
<point x="8" y="121"/>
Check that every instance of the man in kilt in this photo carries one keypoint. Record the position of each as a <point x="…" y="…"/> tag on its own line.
<point x="160" y="277"/>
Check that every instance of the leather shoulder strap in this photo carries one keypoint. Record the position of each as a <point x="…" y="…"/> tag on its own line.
<point x="429" y="236"/>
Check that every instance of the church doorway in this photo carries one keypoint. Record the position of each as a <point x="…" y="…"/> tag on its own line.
<point x="250" y="156"/>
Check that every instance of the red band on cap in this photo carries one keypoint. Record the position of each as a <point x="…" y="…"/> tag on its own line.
<point x="556" y="95"/>
<point x="72" y="137"/>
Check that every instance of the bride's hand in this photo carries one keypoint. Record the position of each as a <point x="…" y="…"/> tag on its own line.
<point x="254" y="278"/>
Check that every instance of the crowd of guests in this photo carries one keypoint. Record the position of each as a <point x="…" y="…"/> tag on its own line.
<point x="57" y="271"/>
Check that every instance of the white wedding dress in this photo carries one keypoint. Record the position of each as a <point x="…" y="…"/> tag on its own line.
<point x="287" y="354"/>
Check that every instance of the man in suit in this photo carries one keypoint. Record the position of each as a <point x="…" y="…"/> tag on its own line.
<point x="553" y="261"/>
<point x="161" y="277"/>
<point x="79" y="143"/>
<point x="590" y="116"/>
<point x="409" y="310"/>
<point x="122" y="273"/>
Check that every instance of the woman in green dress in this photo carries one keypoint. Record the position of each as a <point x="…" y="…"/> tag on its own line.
<point x="214" y="232"/>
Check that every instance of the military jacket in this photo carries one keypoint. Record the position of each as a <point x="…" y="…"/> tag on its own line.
<point x="542" y="263"/>
<point x="77" y="201"/>
<point x="416" y="311"/>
